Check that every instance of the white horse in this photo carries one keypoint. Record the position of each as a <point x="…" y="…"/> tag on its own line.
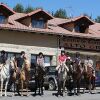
<point x="62" y="77"/>
<point x="4" y="76"/>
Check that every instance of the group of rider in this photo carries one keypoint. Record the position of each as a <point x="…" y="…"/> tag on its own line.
<point x="62" y="59"/>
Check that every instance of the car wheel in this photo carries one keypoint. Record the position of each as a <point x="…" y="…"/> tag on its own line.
<point x="52" y="85"/>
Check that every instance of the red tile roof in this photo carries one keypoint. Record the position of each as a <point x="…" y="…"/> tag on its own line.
<point x="60" y="21"/>
<point x="34" y="12"/>
<point x="6" y="7"/>
<point x="53" y="27"/>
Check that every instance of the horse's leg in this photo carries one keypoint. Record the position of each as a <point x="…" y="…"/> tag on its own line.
<point x="59" y="87"/>
<point x="21" y="87"/>
<point x="27" y="88"/>
<point x="6" y="87"/>
<point x="90" y="85"/>
<point x="64" y="87"/>
<point x="14" y="89"/>
<point x="17" y="88"/>
<point x="1" y="87"/>
<point x="39" y="85"/>
<point x="78" y="87"/>
<point x="42" y="87"/>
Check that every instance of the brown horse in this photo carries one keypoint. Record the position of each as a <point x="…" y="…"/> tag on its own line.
<point x="13" y="76"/>
<point x="89" y="79"/>
<point x="25" y="75"/>
<point x="77" y="75"/>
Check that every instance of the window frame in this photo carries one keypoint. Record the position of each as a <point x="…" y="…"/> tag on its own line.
<point x="38" y="23"/>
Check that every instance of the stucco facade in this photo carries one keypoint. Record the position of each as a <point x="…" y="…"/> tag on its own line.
<point x="31" y="43"/>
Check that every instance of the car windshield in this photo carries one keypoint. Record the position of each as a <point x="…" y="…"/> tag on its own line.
<point x="52" y="69"/>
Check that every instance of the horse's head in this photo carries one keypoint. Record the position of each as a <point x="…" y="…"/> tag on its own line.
<point x="27" y="64"/>
<point x="12" y="65"/>
<point x="61" y="69"/>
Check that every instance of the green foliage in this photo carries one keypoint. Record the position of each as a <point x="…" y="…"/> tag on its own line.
<point x="28" y="9"/>
<point x="60" y="13"/>
<point x="19" y="8"/>
<point x="97" y="19"/>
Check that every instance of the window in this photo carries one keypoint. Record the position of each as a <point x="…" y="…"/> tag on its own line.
<point x="33" y="58"/>
<point x="11" y="54"/>
<point x="2" y="18"/>
<point x="47" y="60"/>
<point x="38" y="23"/>
<point x="77" y="28"/>
<point x="80" y="28"/>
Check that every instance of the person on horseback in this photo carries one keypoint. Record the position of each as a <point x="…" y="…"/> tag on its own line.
<point x="3" y="57"/>
<point x="77" y="58"/>
<point x="68" y="59"/>
<point x="89" y="62"/>
<point x="62" y="60"/>
<point x="20" y="62"/>
<point x="40" y="60"/>
<point x="39" y="74"/>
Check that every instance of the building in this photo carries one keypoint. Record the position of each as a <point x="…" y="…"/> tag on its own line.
<point x="38" y="31"/>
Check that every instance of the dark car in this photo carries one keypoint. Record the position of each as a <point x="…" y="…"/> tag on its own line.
<point x="50" y="78"/>
<point x="97" y="79"/>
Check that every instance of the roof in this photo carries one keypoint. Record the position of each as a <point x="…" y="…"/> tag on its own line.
<point x="35" y="12"/>
<point x="7" y="8"/>
<point x="53" y="26"/>
<point x="60" y="21"/>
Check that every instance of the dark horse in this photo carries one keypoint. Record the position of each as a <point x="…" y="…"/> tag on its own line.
<point x="77" y="75"/>
<point x="39" y="79"/>
<point x="70" y="82"/>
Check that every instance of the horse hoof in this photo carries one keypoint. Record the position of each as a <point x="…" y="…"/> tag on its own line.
<point x="21" y="95"/>
<point x="27" y="95"/>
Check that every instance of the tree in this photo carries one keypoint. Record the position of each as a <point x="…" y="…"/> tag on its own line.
<point x="19" y="8"/>
<point x="61" y="13"/>
<point x="97" y="19"/>
<point x="28" y="9"/>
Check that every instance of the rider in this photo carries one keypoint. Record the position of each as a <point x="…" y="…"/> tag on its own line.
<point x="77" y="58"/>
<point x="68" y="59"/>
<point x="3" y="57"/>
<point x="20" y="60"/>
<point x="89" y="62"/>
<point x="62" y="60"/>
<point x="40" y="60"/>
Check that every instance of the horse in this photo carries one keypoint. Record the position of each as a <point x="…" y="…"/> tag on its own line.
<point x="24" y="75"/>
<point x="77" y="75"/>
<point x="70" y="82"/>
<point x="89" y="79"/>
<point x="39" y="79"/>
<point x="13" y="75"/>
<point x="4" y="77"/>
<point x="61" y="79"/>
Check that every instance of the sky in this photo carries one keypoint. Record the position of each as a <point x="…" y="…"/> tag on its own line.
<point x="73" y="7"/>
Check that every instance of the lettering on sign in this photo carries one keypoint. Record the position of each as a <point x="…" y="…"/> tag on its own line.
<point x="82" y="44"/>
